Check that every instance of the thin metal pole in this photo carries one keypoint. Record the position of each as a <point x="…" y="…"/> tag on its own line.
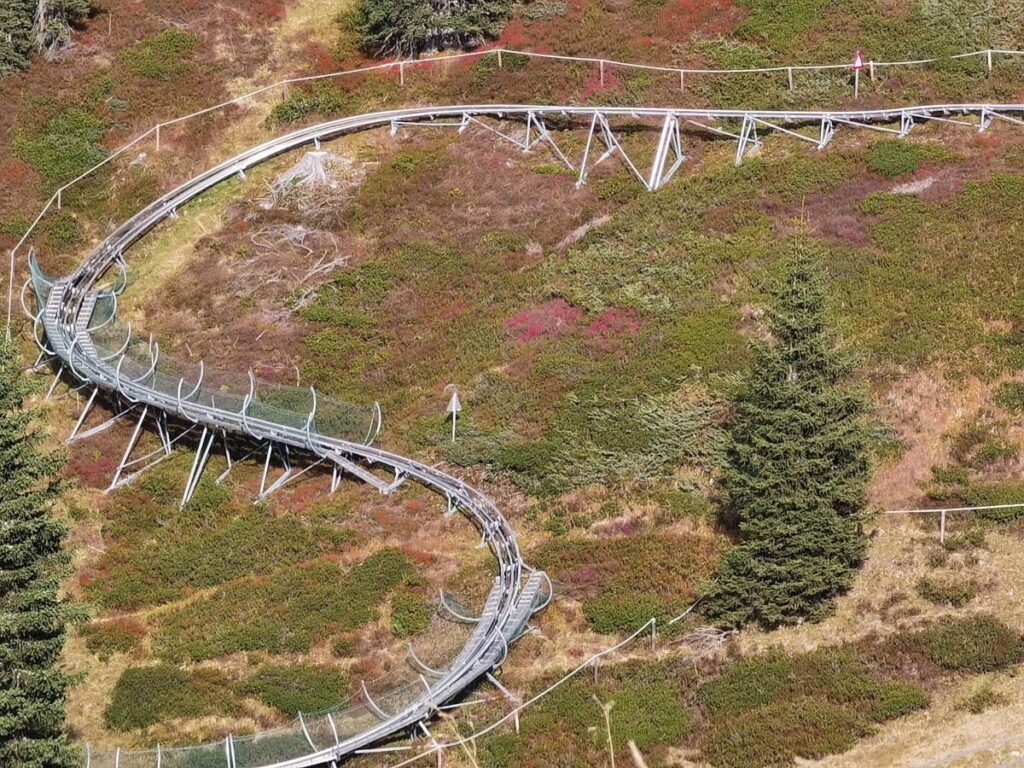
<point x="128" y="449"/>
<point x="856" y="83"/>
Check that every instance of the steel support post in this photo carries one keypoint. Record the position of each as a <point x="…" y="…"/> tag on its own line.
<point x="85" y="412"/>
<point x="128" y="449"/>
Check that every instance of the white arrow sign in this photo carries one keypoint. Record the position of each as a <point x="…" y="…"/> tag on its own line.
<point x="454" y="406"/>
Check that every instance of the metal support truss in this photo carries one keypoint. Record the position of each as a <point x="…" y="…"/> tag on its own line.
<point x="128" y="449"/>
<point x="669" y="145"/>
<point x="206" y="439"/>
<point x="147" y="460"/>
<point x="748" y="137"/>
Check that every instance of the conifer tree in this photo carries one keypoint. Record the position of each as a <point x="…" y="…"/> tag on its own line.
<point x="408" y="28"/>
<point x="796" y="465"/>
<point x="32" y="617"/>
<point x="16" y="44"/>
<point x="31" y="26"/>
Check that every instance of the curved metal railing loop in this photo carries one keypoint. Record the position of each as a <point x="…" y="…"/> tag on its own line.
<point x="119" y="381"/>
<point x="190" y="395"/>
<point x="246" y="403"/>
<point x="123" y="348"/>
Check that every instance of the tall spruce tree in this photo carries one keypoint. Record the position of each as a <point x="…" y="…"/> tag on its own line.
<point x="796" y="465"/>
<point x="32" y="616"/>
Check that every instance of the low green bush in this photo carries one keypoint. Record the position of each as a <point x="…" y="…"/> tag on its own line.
<point x="567" y="727"/>
<point x="295" y="688"/>
<point x="779" y="733"/>
<point x="746" y="685"/>
<point x="982" y="699"/>
<point x="162" y="56"/>
<point x="1010" y="396"/>
<point x="895" y="157"/>
<point x="284" y="611"/>
<point x="948" y="591"/>
<point x="973" y="644"/>
<point x="144" y="696"/>
<point x="68" y="145"/>
<point x="410" y="613"/>
<point x="322" y="98"/>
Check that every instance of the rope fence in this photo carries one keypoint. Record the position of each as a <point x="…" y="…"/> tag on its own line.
<point x="56" y="199"/>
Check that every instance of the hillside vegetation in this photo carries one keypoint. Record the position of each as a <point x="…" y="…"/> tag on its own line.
<point x="596" y="337"/>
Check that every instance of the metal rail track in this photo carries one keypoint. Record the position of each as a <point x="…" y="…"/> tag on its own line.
<point x="518" y="591"/>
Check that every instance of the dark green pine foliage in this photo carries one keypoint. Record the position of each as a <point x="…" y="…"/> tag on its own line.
<point x="796" y="465"/>
<point x="28" y="27"/>
<point x="16" y="39"/>
<point x="408" y="28"/>
<point x="32" y="617"/>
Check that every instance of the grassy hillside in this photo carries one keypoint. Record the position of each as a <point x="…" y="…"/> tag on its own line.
<point x="594" y="336"/>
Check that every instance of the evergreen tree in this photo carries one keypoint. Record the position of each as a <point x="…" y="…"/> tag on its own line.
<point x="408" y="28"/>
<point x="16" y="44"/>
<point x="32" y="617"/>
<point x="796" y="465"/>
<point x="31" y="26"/>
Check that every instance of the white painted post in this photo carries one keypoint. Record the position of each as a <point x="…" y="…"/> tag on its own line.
<point x="499" y="58"/>
<point x="682" y="81"/>
<point x="401" y="73"/>
<point x="942" y="527"/>
<point x="988" y="56"/>
<point x="871" y="70"/>
<point x="601" y="67"/>
<point x="158" y="137"/>
<point x="59" y="194"/>
<point x="789" y="77"/>
<point x="454" y="406"/>
<point x="654" y="635"/>
<point x="856" y="84"/>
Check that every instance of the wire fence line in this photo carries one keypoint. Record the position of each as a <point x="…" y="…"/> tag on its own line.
<point x="401" y="65"/>
<point x="942" y="512"/>
<point x="648" y="628"/>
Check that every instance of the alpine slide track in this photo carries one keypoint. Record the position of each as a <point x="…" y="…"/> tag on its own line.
<point x="75" y="316"/>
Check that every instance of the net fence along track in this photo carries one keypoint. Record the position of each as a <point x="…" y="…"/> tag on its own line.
<point x="70" y="310"/>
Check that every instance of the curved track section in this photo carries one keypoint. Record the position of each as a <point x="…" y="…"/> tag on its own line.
<point x="66" y="308"/>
